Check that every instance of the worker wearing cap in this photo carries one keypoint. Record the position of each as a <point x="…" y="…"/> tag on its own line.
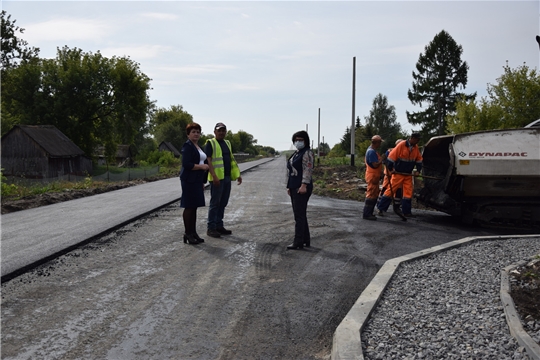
<point x="373" y="176"/>
<point x="401" y="162"/>
<point x="222" y="170"/>
<point x="386" y="180"/>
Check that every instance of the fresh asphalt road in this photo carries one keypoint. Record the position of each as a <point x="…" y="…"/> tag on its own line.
<point x="32" y="235"/>
<point x="139" y="292"/>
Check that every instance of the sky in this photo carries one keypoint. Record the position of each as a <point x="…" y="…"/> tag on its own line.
<point x="271" y="67"/>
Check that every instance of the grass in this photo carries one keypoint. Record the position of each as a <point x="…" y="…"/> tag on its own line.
<point x="335" y="161"/>
<point x="18" y="191"/>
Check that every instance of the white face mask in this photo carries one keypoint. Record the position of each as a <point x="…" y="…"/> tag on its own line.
<point x="299" y="145"/>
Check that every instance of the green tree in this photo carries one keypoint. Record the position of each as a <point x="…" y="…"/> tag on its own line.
<point x="440" y="73"/>
<point x="265" y="150"/>
<point x="514" y="101"/>
<point x="170" y="125"/>
<point x="517" y="93"/>
<point x="345" y="142"/>
<point x="359" y="137"/>
<point x="92" y="99"/>
<point x="324" y="148"/>
<point x="13" y="49"/>
<point x="245" y="143"/>
<point x="337" y="151"/>
<point x="382" y="120"/>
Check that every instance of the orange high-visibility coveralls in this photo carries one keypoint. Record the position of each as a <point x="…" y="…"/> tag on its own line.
<point x="373" y="177"/>
<point x="403" y="158"/>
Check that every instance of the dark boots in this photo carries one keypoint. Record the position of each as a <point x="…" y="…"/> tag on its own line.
<point x="369" y="205"/>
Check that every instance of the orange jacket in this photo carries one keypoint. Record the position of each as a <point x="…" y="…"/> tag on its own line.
<point x="404" y="157"/>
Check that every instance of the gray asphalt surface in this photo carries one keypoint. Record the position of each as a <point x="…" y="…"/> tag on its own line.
<point x="32" y="235"/>
<point x="140" y="293"/>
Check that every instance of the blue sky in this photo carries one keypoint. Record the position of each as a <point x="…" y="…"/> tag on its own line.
<point x="267" y="67"/>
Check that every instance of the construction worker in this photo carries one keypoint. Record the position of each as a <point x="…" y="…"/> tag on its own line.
<point x="374" y="170"/>
<point x="386" y="179"/>
<point x="401" y="162"/>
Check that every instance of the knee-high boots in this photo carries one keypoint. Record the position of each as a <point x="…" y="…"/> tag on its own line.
<point x="369" y="205"/>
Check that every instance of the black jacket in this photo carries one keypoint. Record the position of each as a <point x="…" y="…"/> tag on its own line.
<point x="296" y="170"/>
<point x="190" y="158"/>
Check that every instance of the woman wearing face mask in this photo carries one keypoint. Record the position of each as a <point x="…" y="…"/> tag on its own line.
<point x="300" y="187"/>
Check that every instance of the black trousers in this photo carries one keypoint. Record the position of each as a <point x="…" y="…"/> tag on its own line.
<point x="299" y="205"/>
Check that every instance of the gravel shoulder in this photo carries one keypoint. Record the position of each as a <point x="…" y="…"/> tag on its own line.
<point x="429" y="311"/>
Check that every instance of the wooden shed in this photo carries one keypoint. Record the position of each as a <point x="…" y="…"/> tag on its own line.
<point x="167" y="146"/>
<point x="42" y="151"/>
<point x="123" y="156"/>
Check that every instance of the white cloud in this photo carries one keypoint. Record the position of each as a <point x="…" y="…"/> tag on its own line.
<point x="67" y="29"/>
<point x="160" y="16"/>
<point x="197" y="69"/>
<point x="136" y="52"/>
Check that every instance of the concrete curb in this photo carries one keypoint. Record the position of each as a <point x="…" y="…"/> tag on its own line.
<point x="512" y="317"/>
<point x="346" y="343"/>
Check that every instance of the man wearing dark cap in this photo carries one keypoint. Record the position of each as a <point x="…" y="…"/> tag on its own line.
<point x="222" y="170"/>
<point x="401" y="162"/>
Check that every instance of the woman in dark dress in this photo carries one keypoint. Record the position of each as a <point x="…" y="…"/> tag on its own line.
<point x="192" y="179"/>
<point x="300" y="187"/>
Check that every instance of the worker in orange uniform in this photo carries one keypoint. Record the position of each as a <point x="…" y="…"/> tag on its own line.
<point x="403" y="159"/>
<point x="374" y="170"/>
<point x="386" y="180"/>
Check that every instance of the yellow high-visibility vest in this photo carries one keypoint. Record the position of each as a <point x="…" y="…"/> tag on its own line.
<point x="217" y="161"/>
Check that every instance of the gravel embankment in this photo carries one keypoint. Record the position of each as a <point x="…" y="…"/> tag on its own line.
<point x="448" y="306"/>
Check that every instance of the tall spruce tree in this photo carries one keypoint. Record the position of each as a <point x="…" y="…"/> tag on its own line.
<point x="439" y="74"/>
<point x="382" y="120"/>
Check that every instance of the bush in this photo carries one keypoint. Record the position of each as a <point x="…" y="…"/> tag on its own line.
<point x="163" y="158"/>
<point x="7" y="189"/>
<point x="334" y="161"/>
<point x="167" y="159"/>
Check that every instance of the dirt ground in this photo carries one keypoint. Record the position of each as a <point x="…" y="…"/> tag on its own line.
<point x="342" y="182"/>
<point x="525" y="290"/>
<point x="346" y="183"/>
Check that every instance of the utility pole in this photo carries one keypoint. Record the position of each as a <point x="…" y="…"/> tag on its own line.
<point x="319" y="136"/>
<point x="353" y="128"/>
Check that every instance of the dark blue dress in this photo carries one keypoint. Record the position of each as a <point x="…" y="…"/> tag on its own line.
<point x="192" y="181"/>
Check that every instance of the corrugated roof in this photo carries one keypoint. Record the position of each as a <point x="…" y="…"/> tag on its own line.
<point x="52" y="140"/>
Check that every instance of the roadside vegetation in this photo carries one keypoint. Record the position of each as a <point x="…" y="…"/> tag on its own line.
<point x="160" y="165"/>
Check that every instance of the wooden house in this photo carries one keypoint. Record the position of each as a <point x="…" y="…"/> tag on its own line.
<point x="41" y="151"/>
<point x="167" y="146"/>
<point x="123" y="156"/>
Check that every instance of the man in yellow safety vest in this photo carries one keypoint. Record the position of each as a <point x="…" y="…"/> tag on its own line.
<point x="222" y="170"/>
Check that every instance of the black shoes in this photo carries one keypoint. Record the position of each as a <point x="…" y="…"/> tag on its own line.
<point x="213" y="233"/>
<point x="370" y="217"/>
<point x="224" y="231"/>
<point x="295" y="247"/>
<point x="190" y="239"/>
<point x="198" y="238"/>
<point x="218" y="232"/>
<point x="409" y="215"/>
